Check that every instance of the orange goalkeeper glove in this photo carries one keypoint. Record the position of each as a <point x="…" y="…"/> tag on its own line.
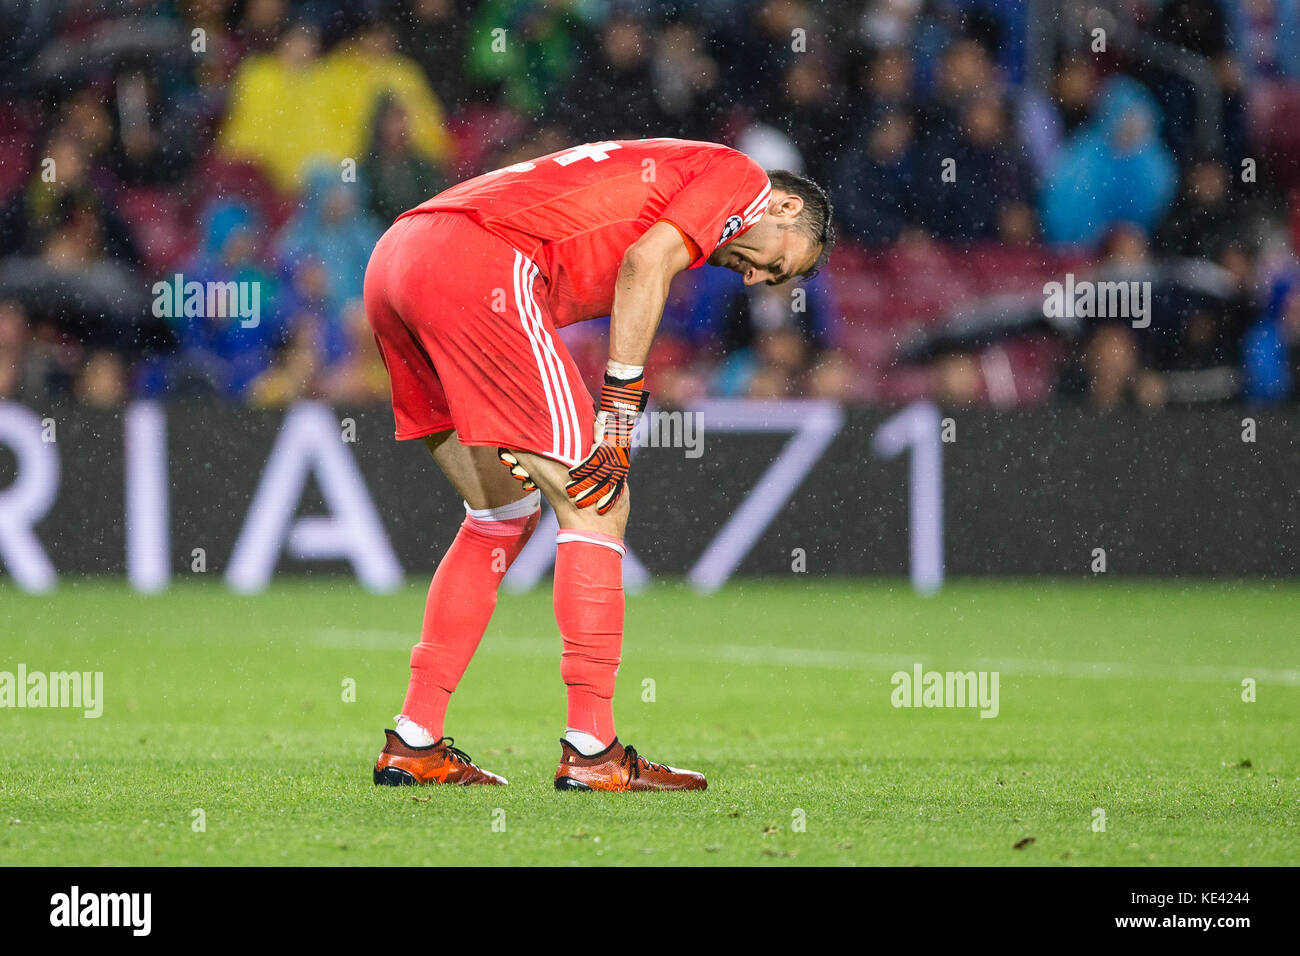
<point x="600" y="479"/>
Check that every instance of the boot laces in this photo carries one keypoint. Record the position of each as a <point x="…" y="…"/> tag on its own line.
<point x="635" y="762"/>
<point x="456" y="753"/>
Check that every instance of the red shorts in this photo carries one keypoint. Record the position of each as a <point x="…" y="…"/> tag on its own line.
<point x="468" y="342"/>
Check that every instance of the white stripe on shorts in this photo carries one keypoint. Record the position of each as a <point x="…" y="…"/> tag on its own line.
<point x="559" y="397"/>
<point x="543" y="368"/>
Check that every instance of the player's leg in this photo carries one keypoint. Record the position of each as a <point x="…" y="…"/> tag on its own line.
<point x="588" y="599"/>
<point x="475" y="472"/>
<point x="500" y="516"/>
<point x="589" y="610"/>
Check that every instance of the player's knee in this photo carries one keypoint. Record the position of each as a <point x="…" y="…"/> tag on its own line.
<point x="613" y="521"/>
<point x="506" y="529"/>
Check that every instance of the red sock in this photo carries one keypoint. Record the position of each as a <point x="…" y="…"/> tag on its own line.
<point x="589" y="610"/>
<point x="461" y="600"/>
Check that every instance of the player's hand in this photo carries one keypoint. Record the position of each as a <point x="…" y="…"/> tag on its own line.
<point x="600" y="479"/>
<point x="516" y="470"/>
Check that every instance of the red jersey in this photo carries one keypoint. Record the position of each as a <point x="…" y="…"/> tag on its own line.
<point x="576" y="212"/>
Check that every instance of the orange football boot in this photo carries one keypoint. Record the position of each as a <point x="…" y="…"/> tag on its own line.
<point x="402" y="765"/>
<point x="620" y="768"/>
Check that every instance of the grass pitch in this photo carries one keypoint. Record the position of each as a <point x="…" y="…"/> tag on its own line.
<point x="1120" y="698"/>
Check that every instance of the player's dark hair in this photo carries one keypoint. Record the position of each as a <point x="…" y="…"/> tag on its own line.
<point x="815" y="219"/>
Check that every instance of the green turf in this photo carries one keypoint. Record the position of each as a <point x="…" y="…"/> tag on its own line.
<point x="1124" y="697"/>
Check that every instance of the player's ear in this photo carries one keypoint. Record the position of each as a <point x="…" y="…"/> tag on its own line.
<point x="786" y="206"/>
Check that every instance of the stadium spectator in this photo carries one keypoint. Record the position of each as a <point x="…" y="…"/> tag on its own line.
<point x="807" y="110"/>
<point x="220" y="355"/>
<point x="1265" y="35"/>
<point x="915" y="24"/>
<point x="830" y="376"/>
<point x="358" y="376"/>
<point x="991" y="192"/>
<point x="354" y="76"/>
<point x="956" y="379"/>
<point x="293" y="107"/>
<point x="1201" y="28"/>
<point x="293" y="373"/>
<point x="772" y="338"/>
<point x="890" y="22"/>
<point x="332" y="228"/>
<point x="1192" y="352"/>
<point x="770" y="147"/>
<point x="307" y="295"/>
<point x="1048" y="119"/>
<point x="157" y="138"/>
<point x="198" y="104"/>
<point x="1271" y="349"/>
<point x="1002" y="28"/>
<point x="965" y="71"/>
<point x="269" y="118"/>
<point x="1112" y="348"/>
<point x="398" y="177"/>
<point x="528" y="72"/>
<point x="436" y="36"/>
<point x="684" y="81"/>
<point x="262" y="24"/>
<point x="887" y="80"/>
<point x="1204" y="218"/>
<point x="754" y="50"/>
<point x="878" y="181"/>
<point x="1114" y="169"/>
<point x="74" y="182"/>
<point x="620" y="67"/>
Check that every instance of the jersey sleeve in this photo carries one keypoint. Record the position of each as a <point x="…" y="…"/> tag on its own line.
<point x="725" y="199"/>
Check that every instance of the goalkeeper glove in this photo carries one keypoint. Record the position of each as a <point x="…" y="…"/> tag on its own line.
<point x="516" y="470"/>
<point x="600" y="479"/>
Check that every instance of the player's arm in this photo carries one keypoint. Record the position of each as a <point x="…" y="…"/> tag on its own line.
<point x="640" y="292"/>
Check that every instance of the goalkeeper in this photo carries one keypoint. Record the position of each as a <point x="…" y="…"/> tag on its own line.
<point x="465" y="294"/>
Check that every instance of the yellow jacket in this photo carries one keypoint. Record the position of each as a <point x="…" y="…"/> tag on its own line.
<point x="282" y="119"/>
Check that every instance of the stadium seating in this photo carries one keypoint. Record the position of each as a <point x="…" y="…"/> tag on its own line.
<point x="887" y="294"/>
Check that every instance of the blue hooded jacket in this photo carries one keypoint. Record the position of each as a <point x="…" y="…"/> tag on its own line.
<point x="1115" y="169"/>
<point x="341" y="238"/>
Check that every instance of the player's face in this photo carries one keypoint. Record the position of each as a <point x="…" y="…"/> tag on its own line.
<point x="772" y="251"/>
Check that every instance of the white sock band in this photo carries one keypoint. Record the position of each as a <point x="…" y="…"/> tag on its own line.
<point x="516" y="509"/>
<point x="564" y="536"/>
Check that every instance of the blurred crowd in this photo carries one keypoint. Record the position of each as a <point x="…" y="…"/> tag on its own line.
<point x="270" y="143"/>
